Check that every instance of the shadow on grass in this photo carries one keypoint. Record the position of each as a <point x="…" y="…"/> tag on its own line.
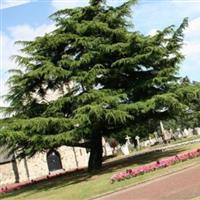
<point x="80" y="176"/>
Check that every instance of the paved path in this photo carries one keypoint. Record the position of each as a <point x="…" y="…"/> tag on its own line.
<point x="182" y="185"/>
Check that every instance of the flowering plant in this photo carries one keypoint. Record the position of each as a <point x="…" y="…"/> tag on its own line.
<point x="165" y="162"/>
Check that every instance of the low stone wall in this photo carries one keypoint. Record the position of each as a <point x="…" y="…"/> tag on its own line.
<point x="35" y="167"/>
<point x="7" y="174"/>
<point x="73" y="158"/>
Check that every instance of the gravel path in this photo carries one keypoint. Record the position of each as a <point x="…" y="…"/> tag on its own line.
<point x="182" y="185"/>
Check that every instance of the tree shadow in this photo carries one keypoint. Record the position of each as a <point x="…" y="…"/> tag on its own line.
<point x="83" y="175"/>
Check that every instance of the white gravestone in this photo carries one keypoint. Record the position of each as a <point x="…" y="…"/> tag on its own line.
<point x="138" y="141"/>
<point x="185" y="133"/>
<point x="152" y="140"/>
<point x="107" y="150"/>
<point x="190" y="131"/>
<point x="179" y="133"/>
<point x="156" y="136"/>
<point x="125" y="147"/>
<point x="145" y="143"/>
<point x="197" y="131"/>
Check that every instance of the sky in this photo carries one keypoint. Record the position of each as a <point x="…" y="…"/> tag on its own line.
<point x="26" y="19"/>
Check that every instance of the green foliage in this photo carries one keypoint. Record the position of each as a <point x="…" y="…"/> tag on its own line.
<point x="111" y="81"/>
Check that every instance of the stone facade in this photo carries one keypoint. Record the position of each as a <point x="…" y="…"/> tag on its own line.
<point x="27" y="169"/>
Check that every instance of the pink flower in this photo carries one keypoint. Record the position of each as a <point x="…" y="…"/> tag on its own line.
<point x="165" y="162"/>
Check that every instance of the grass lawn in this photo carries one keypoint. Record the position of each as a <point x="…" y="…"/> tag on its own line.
<point x="83" y="185"/>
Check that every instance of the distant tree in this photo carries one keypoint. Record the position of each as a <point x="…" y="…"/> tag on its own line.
<point x="112" y="81"/>
<point x="188" y="91"/>
<point x="185" y="80"/>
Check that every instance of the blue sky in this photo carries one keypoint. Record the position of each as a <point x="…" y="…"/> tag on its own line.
<point x="26" y="19"/>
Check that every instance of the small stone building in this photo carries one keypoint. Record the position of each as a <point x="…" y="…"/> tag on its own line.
<point x="42" y="164"/>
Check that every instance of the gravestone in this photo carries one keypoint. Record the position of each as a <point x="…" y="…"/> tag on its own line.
<point x="137" y="138"/>
<point x="179" y="133"/>
<point x="171" y="132"/>
<point x="166" y="135"/>
<point x="174" y="135"/>
<point x="125" y="147"/>
<point x="190" y="131"/>
<point x="145" y="143"/>
<point x="156" y="136"/>
<point x="197" y="131"/>
<point x="185" y="133"/>
<point x="152" y="141"/>
<point x="107" y="150"/>
<point x="128" y="140"/>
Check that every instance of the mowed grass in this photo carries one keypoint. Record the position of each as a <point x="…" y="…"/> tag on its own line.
<point x="82" y="185"/>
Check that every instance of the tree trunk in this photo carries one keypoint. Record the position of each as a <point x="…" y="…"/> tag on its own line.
<point x="96" y="153"/>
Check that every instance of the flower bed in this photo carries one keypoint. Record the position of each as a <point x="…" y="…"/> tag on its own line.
<point x="165" y="162"/>
<point x="16" y="186"/>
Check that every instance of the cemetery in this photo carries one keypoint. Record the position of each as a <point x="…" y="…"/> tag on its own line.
<point x="68" y="159"/>
<point x="100" y="183"/>
<point x="150" y="146"/>
<point x="98" y="104"/>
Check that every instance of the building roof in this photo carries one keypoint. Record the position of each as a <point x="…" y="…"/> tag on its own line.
<point x="5" y="155"/>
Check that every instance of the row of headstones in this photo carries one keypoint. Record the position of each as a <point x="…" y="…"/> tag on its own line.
<point x="157" y="139"/>
<point x="168" y="135"/>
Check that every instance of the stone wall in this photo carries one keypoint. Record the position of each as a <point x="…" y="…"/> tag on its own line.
<point x="7" y="174"/>
<point x="33" y="167"/>
<point x="28" y="169"/>
<point x="73" y="158"/>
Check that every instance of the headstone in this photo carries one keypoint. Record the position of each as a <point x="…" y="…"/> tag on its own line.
<point x="145" y="143"/>
<point x="162" y="127"/>
<point x="185" y="133"/>
<point x="152" y="140"/>
<point x="156" y="135"/>
<point x="190" y="131"/>
<point x="107" y="150"/>
<point x="160" y="140"/>
<point x="197" y="131"/>
<point x="171" y="132"/>
<point x="125" y="147"/>
<point x="138" y="141"/>
<point x="179" y="134"/>
<point x="172" y="135"/>
<point x="165" y="134"/>
<point x="128" y="140"/>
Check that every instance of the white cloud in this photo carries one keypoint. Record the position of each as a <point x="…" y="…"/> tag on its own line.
<point x="11" y="3"/>
<point x="191" y="50"/>
<point x="3" y="91"/>
<point x="6" y="49"/>
<point x="26" y="32"/>
<point x="193" y="30"/>
<point x="20" y="32"/>
<point x="192" y="37"/>
<point x="152" y="32"/>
